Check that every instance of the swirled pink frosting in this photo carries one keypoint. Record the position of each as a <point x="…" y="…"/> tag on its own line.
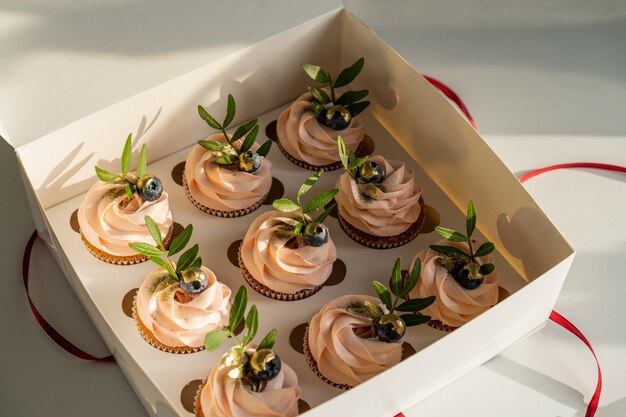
<point x="109" y="224"/>
<point x="454" y="304"/>
<point x="341" y="355"/>
<point x="176" y="318"/>
<point x="223" y="189"/>
<point x="223" y="396"/>
<point x="385" y="209"/>
<point x="304" y="138"/>
<point x="280" y="267"/>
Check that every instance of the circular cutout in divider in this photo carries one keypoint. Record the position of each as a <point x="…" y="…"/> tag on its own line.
<point x="177" y="229"/>
<point x="240" y="327"/>
<point x="127" y="302"/>
<point x="335" y="212"/>
<point x="277" y="190"/>
<point x="366" y="147"/>
<point x="303" y="406"/>
<point x="177" y="173"/>
<point x="337" y="275"/>
<point x="431" y="220"/>
<point x="74" y="221"/>
<point x="188" y="395"/>
<point x="233" y="252"/>
<point x="271" y="131"/>
<point x="296" y="337"/>
<point x="503" y="294"/>
<point x="407" y="350"/>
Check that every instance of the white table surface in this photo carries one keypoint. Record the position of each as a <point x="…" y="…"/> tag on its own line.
<point x="545" y="81"/>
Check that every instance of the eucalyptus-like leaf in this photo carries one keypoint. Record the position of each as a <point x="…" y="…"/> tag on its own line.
<point x="105" y="175"/>
<point x="154" y="231"/>
<point x="343" y="153"/>
<point x="297" y="228"/>
<point x="450" y="234"/>
<point x="146" y="249"/>
<point x="165" y="265"/>
<point x="213" y="145"/>
<point x="265" y="148"/>
<point x="214" y="340"/>
<point x="252" y="325"/>
<point x="180" y="241"/>
<point x="226" y="159"/>
<point x="360" y="162"/>
<point x="309" y="183"/>
<point x="208" y="118"/>
<point x="142" y="163"/>
<point x="471" y="219"/>
<point x="357" y="108"/>
<point x="320" y="95"/>
<point x="268" y="341"/>
<point x="126" y="154"/>
<point x="317" y="107"/>
<point x="485" y="249"/>
<point x="320" y="201"/>
<point x="416" y="304"/>
<point x="396" y="278"/>
<point x="412" y="279"/>
<point x="322" y="217"/>
<point x="349" y="74"/>
<point x="128" y="189"/>
<point x="249" y="141"/>
<point x="350" y="97"/>
<point x="185" y="260"/>
<point x="197" y="263"/>
<point x="383" y="294"/>
<point x="448" y="250"/>
<point x="241" y="131"/>
<point x="230" y="111"/>
<point x="238" y="308"/>
<point x="316" y="72"/>
<point x="285" y="205"/>
<point x="487" y="269"/>
<point x="414" y="319"/>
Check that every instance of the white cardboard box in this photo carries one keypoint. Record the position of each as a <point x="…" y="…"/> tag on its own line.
<point x="408" y="119"/>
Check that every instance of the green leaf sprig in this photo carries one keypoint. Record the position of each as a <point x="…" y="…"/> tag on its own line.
<point x="287" y="206"/>
<point x="350" y="99"/>
<point x="349" y="160"/>
<point x="226" y="153"/>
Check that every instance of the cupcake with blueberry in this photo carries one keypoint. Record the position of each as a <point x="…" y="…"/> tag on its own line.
<point x="307" y="130"/>
<point x="458" y="270"/>
<point x="112" y="214"/>
<point x="355" y="337"/>
<point x="228" y="175"/>
<point x="287" y="254"/>
<point x="249" y="379"/>
<point x="379" y="202"/>
<point x="178" y="303"/>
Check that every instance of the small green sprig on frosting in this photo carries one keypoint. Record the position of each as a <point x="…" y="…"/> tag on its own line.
<point x="463" y="266"/>
<point x="188" y="270"/>
<point x="253" y="367"/>
<point x="336" y="113"/>
<point x="148" y="187"/>
<point x="360" y="169"/>
<point x="227" y="155"/>
<point x="314" y="232"/>
<point x="388" y="326"/>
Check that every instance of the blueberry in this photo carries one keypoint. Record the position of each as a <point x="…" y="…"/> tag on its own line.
<point x="149" y="188"/>
<point x="315" y="234"/>
<point x="370" y="172"/>
<point x="265" y="364"/>
<point x="390" y="328"/>
<point x="468" y="275"/>
<point x="249" y="161"/>
<point x="336" y="117"/>
<point x="193" y="280"/>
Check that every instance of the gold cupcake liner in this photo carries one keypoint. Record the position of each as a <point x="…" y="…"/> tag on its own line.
<point x="385" y="242"/>
<point x="329" y="167"/>
<point x="313" y="364"/>
<point x="196" y="403"/>
<point x="154" y="342"/>
<point x="268" y="292"/>
<point x="122" y="260"/>
<point x="221" y="213"/>
<point x="439" y="325"/>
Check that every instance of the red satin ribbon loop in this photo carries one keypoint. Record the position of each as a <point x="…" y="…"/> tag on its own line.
<point x="448" y="92"/>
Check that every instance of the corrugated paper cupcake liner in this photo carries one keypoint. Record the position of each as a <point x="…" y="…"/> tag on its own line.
<point x="196" y="403"/>
<point x="313" y="364"/>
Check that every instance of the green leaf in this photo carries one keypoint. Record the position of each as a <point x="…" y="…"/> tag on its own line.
<point x="396" y="278"/>
<point x="230" y="111"/>
<point x="128" y="189"/>
<point x="142" y="163"/>
<point x="197" y="263"/>
<point x="317" y="107"/>
<point x="360" y="162"/>
<point x="185" y="260"/>
<point x="414" y="319"/>
<point x="243" y="129"/>
<point x="320" y="201"/>
<point x="105" y="175"/>
<point x="451" y="234"/>
<point x="165" y="265"/>
<point x="180" y="241"/>
<point x="316" y="72"/>
<point x="448" y="250"/>
<point x="238" y="308"/>
<point x="416" y="304"/>
<point x="343" y="153"/>
<point x="214" y="339"/>
<point x="269" y="340"/>
<point x="285" y="205"/>
<point x="213" y="145"/>
<point x="146" y="249"/>
<point x="265" y="148"/>
<point x="252" y="325"/>
<point x="383" y="294"/>
<point x="485" y="249"/>
<point x="126" y="154"/>
<point x="249" y="141"/>
<point x="225" y="159"/>
<point x="154" y="231"/>
<point x="412" y="279"/>
<point x="487" y="269"/>
<point x="325" y="213"/>
<point x="297" y="228"/>
<point x="320" y="95"/>
<point x="309" y="183"/>
<point x="349" y="74"/>
<point x="350" y="97"/>
<point x="471" y="219"/>
<point x="208" y="118"/>
<point x="356" y="108"/>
